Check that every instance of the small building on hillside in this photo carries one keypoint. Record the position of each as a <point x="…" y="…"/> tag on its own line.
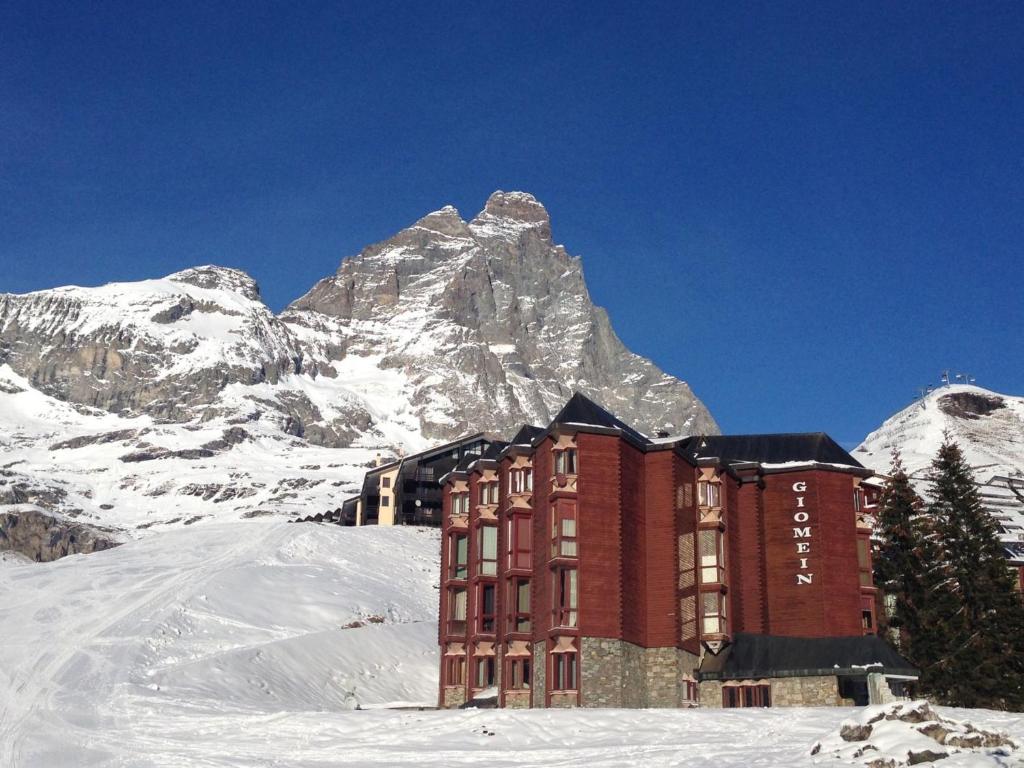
<point x="407" y="490"/>
<point x="584" y="564"/>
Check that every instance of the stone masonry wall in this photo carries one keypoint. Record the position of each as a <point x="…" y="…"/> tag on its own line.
<point x="539" y="671"/>
<point x="710" y="692"/>
<point x="805" y="692"/>
<point x="601" y="672"/>
<point x="454" y="697"/>
<point x="615" y="673"/>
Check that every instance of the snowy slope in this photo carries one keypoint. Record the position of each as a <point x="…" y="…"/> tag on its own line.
<point x="207" y="627"/>
<point x="987" y="425"/>
<point x="139" y="475"/>
<point x="249" y="644"/>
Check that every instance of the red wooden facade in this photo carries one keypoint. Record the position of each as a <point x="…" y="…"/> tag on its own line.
<point x="583" y="532"/>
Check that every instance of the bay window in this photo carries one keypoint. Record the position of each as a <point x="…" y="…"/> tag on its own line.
<point x="519" y="541"/>
<point x="565" y="461"/>
<point x="454" y="670"/>
<point x="486" y="608"/>
<point x="489" y="492"/>
<point x="709" y="494"/>
<point x="460" y="504"/>
<point x="457" y="611"/>
<point x="563" y="529"/>
<point x="563" y="671"/>
<point x="484" y="677"/>
<point x="712" y="556"/>
<point x="487" y="537"/>
<point x="458" y="554"/>
<point x="519" y="605"/>
<point x="521" y="480"/>
<point x="714" y="619"/>
<point x="517" y="673"/>
<point x="566" y="589"/>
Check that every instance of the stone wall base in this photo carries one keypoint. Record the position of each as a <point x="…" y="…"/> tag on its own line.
<point x="454" y="698"/>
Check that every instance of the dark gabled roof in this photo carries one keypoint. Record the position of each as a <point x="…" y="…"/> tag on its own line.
<point x="493" y="451"/>
<point x="584" y="411"/>
<point x="424" y="455"/>
<point x="752" y="656"/>
<point x="526" y="434"/>
<point x="770" y="449"/>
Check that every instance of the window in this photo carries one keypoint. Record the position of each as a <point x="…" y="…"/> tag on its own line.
<point x="689" y="690"/>
<point x="385" y="501"/>
<point x="746" y="696"/>
<point x="709" y="494"/>
<point x="563" y="529"/>
<point x="489" y="493"/>
<point x="856" y="500"/>
<point x="566" y="597"/>
<point x="519" y="541"/>
<point x="484" y="672"/>
<point x="519" y="602"/>
<point x="488" y="540"/>
<point x="714" y="613"/>
<point x="864" y="561"/>
<point x="712" y="556"/>
<point x="458" y="554"/>
<point x="866" y="620"/>
<point x="563" y="671"/>
<point x="460" y="504"/>
<point x="487" y="610"/>
<point x="521" y="480"/>
<point x="457" y="611"/>
<point x="517" y="673"/>
<point x="385" y="482"/>
<point x="455" y="670"/>
<point x="565" y="461"/>
<point x="425" y="473"/>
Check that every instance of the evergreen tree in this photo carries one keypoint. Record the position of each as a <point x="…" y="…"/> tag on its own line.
<point x="981" y="644"/>
<point x="919" y="605"/>
<point x="897" y="562"/>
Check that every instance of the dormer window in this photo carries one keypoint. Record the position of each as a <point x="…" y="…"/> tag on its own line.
<point x="565" y="461"/>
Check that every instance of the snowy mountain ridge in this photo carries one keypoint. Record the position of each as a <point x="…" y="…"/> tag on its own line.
<point x="159" y="403"/>
<point x="987" y="425"/>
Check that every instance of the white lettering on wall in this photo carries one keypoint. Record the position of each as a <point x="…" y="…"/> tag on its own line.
<point x="802" y="547"/>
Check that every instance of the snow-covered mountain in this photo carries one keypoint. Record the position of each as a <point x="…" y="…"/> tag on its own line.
<point x="483" y="324"/>
<point x="446" y="327"/>
<point x="155" y="404"/>
<point x="987" y="425"/>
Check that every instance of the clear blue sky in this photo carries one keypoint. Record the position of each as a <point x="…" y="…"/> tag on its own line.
<point x="806" y="210"/>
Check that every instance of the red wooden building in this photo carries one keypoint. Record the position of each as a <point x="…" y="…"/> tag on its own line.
<point x="584" y="564"/>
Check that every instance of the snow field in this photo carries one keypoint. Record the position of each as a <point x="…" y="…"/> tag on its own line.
<point x="249" y="644"/>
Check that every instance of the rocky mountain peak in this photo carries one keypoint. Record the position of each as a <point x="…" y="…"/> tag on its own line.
<point x="213" y="277"/>
<point x="510" y="214"/>
<point x="445" y="221"/>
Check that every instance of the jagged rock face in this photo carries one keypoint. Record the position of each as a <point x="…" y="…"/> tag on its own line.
<point x="484" y="325"/>
<point x="160" y="347"/>
<point x="446" y="328"/>
<point x="43" y="537"/>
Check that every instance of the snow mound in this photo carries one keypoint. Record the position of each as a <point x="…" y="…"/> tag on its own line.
<point x="912" y="733"/>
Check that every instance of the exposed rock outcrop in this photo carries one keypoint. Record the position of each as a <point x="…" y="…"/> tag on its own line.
<point x="42" y="537"/>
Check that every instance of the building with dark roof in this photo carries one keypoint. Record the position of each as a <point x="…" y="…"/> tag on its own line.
<point x="585" y="564"/>
<point x="407" y="490"/>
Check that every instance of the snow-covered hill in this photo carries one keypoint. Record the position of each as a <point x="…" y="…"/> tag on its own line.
<point x="987" y="425"/>
<point x="249" y="645"/>
<point x="138" y="475"/>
